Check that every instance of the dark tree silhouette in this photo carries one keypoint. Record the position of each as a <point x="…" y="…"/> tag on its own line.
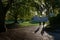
<point x="3" y="11"/>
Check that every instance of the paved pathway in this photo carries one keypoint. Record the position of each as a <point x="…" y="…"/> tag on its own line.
<point x="26" y="33"/>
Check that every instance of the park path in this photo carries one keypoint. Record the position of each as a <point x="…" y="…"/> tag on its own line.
<point x="26" y="33"/>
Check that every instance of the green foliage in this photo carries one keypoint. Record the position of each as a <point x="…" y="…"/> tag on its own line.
<point x="56" y="3"/>
<point x="53" y="3"/>
<point x="55" y="22"/>
<point x="27" y="24"/>
<point x="21" y="9"/>
<point x="5" y="2"/>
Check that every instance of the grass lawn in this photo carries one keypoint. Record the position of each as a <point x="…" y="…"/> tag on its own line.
<point x="24" y="24"/>
<point x="28" y="24"/>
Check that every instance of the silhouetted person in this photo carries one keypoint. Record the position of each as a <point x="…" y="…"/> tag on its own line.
<point x="37" y="30"/>
<point x="42" y="29"/>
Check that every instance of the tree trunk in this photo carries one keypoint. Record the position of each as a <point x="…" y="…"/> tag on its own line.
<point x="3" y="11"/>
<point x="15" y="21"/>
<point x="2" y="23"/>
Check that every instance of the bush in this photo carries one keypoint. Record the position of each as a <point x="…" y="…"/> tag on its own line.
<point x="55" y="22"/>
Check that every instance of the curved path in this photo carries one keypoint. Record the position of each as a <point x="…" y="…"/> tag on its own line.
<point x="26" y="33"/>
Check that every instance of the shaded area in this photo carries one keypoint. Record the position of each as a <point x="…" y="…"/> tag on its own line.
<point x="26" y="33"/>
<point x="56" y="35"/>
<point x="19" y="34"/>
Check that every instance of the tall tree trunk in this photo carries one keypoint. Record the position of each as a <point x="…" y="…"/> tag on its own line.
<point x="2" y="19"/>
<point x="2" y="23"/>
<point x="15" y="21"/>
<point x="3" y="11"/>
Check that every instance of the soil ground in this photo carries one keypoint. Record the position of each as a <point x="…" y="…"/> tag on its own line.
<point x="25" y="33"/>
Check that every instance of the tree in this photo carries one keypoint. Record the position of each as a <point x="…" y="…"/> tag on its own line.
<point x="3" y="11"/>
<point x="16" y="10"/>
<point x="54" y="21"/>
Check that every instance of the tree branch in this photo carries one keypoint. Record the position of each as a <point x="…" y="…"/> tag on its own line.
<point x="9" y="4"/>
<point x="1" y="4"/>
